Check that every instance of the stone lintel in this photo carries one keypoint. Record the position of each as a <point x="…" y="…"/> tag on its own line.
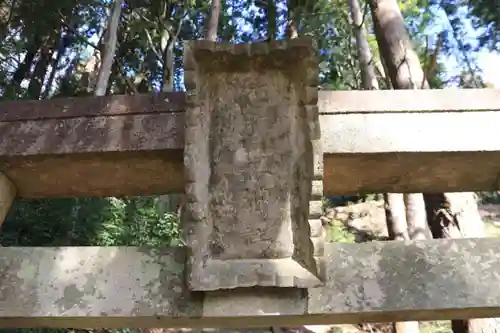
<point x="92" y="106"/>
<point x="428" y="100"/>
<point x="373" y="282"/>
<point x="251" y="117"/>
<point x="115" y="155"/>
<point x="405" y="151"/>
<point x="330" y="102"/>
<point x="44" y="157"/>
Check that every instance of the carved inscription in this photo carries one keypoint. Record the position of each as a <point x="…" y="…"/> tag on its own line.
<point x="249" y="164"/>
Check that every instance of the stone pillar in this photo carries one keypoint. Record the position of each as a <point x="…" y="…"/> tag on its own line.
<point x="252" y="127"/>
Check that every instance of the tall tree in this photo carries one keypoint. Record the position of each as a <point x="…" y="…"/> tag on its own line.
<point x="485" y="15"/>
<point x="109" y="48"/>
<point x="396" y="214"/>
<point x="394" y="202"/>
<point x="400" y="58"/>
<point x="445" y="211"/>
<point x="213" y="21"/>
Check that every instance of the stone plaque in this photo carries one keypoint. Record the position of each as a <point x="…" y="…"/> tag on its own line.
<point x="251" y="124"/>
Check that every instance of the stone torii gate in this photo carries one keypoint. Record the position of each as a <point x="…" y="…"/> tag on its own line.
<point x="253" y="144"/>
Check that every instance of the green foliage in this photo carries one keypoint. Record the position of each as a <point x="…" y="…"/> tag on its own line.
<point x="489" y="197"/>
<point x="485" y="15"/>
<point x="338" y="233"/>
<point x="138" y="222"/>
<point x="435" y="327"/>
<point x="90" y="221"/>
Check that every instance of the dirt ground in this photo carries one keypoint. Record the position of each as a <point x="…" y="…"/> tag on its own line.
<point x="366" y="221"/>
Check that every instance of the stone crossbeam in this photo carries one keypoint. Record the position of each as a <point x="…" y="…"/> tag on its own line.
<point x="373" y="141"/>
<point x="372" y="282"/>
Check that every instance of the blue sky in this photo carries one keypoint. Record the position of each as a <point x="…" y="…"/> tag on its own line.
<point x="488" y="62"/>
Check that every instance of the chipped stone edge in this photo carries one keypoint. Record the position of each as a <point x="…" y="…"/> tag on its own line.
<point x="252" y="49"/>
<point x="230" y="274"/>
<point x="8" y="192"/>
<point x="257" y="272"/>
<point x="310" y="101"/>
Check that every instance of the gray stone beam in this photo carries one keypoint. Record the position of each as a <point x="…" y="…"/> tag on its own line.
<point x="373" y="141"/>
<point x="411" y="151"/>
<point x="132" y="287"/>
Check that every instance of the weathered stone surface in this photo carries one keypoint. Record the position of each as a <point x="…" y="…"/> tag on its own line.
<point x="414" y="172"/>
<point x="94" y="106"/>
<point x="329" y="102"/>
<point x="255" y="302"/>
<point x="96" y="174"/>
<point x="69" y="286"/>
<point x="94" y="156"/>
<point x="130" y="287"/>
<point x="405" y="151"/>
<point x="316" y="200"/>
<point x="407" y="165"/>
<point x="388" y="132"/>
<point x="403" y="280"/>
<point x="249" y="163"/>
<point x="373" y="101"/>
<point x="159" y="131"/>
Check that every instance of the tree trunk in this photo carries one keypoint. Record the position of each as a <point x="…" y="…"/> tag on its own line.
<point x="486" y="325"/>
<point x="416" y="221"/>
<point x="368" y="77"/>
<point x="395" y="214"/>
<point x="90" y="72"/>
<point x="454" y="215"/>
<point x="449" y="215"/>
<point x="40" y="71"/>
<point x="292" y="20"/>
<point x="396" y="50"/>
<point x="61" y="48"/>
<point x="110" y="41"/>
<point x="23" y="70"/>
<point x="416" y="217"/>
<point x="213" y="21"/>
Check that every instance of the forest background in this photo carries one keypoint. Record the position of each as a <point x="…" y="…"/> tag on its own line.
<point x="67" y="48"/>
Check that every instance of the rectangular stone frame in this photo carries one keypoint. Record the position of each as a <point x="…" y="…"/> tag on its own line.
<point x="288" y="260"/>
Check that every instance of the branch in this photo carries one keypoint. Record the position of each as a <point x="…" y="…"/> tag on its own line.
<point x="426" y="67"/>
<point x="152" y="46"/>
